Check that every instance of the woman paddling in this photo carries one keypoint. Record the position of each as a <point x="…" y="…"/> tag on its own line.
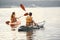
<point x="14" y="22"/>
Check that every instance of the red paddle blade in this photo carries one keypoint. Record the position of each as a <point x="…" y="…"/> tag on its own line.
<point x="7" y="22"/>
<point x="22" y="6"/>
<point x="25" y="14"/>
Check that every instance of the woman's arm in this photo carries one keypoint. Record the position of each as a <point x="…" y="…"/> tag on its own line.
<point x="15" y="23"/>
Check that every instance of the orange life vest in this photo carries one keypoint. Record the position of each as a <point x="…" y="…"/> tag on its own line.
<point x="28" y="20"/>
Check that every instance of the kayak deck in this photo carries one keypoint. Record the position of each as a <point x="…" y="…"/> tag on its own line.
<point x="26" y="29"/>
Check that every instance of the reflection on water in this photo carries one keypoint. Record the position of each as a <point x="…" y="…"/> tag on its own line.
<point x="29" y="35"/>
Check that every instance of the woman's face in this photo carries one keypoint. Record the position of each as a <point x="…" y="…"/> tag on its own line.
<point x="14" y="15"/>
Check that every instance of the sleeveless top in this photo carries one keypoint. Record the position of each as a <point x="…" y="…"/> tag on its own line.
<point x="12" y="21"/>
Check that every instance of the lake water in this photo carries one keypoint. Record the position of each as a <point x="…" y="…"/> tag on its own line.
<point x="51" y="29"/>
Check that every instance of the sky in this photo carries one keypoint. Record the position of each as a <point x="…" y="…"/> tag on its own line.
<point x="30" y="3"/>
<point x="40" y="0"/>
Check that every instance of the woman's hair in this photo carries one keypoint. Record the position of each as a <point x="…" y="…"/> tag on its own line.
<point x="30" y="13"/>
<point x="13" y="13"/>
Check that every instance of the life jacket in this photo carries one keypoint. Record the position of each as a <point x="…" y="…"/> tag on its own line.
<point x="28" y="20"/>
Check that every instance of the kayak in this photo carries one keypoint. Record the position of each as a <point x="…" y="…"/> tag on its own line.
<point x="13" y="25"/>
<point x="31" y="28"/>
